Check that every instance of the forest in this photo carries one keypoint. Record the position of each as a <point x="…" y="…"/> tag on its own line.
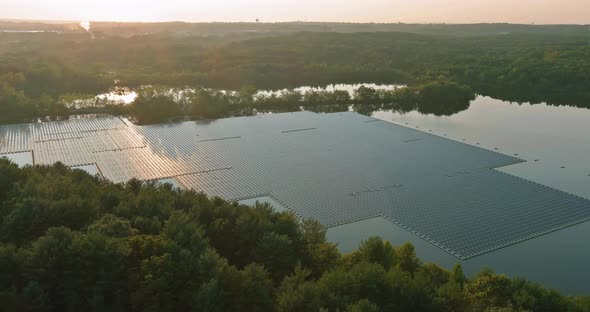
<point x="257" y="29"/>
<point x="70" y="242"/>
<point x="39" y="70"/>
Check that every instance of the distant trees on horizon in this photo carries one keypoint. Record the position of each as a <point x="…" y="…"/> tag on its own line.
<point x="37" y="71"/>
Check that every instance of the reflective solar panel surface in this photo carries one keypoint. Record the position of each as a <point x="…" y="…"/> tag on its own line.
<point x="337" y="168"/>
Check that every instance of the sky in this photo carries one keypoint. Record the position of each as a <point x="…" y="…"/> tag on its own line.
<point x="407" y="11"/>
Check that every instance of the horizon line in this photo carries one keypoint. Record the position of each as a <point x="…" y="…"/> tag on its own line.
<point x="58" y="21"/>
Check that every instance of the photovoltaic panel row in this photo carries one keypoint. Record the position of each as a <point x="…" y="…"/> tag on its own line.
<point x="21" y="137"/>
<point x="336" y="168"/>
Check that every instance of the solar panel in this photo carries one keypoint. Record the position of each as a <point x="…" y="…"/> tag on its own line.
<point x="337" y="168"/>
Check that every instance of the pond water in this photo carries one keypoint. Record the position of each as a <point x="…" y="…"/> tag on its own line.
<point x="20" y="159"/>
<point x="264" y="200"/>
<point x="555" y="145"/>
<point x="350" y="88"/>
<point x="171" y="181"/>
<point x="554" y="142"/>
<point x="126" y="96"/>
<point x="91" y="169"/>
<point x="117" y="96"/>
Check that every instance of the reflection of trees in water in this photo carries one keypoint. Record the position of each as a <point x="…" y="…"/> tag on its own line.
<point x="328" y="108"/>
<point x="442" y="107"/>
<point x="438" y="98"/>
<point x="556" y="97"/>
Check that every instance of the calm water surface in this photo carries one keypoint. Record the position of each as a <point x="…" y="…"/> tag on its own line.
<point x="20" y="159"/>
<point x="350" y="88"/>
<point x="553" y="140"/>
<point x="125" y="96"/>
<point x="556" y="145"/>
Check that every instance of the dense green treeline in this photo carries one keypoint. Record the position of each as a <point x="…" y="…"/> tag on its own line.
<point x="37" y="70"/>
<point x="519" y="67"/>
<point x="256" y="29"/>
<point x="31" y="87"/>
<point x="160" y="104"/>
<point x="71" y="242"/>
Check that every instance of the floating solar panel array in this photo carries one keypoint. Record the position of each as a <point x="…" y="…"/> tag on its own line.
<point x="336" y="168"/>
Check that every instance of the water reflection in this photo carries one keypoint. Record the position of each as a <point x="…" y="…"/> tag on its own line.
<point x="350" y="88"/>
<point x="440" y="108"/>
<point x="361" y="98"/>
<point x="172" y="182"/>
<point x="557" y="260"/>
<point x="552" y="139"/>
<point x="91" y="169"/>
<point x="20" y="159"/>
<point x="118" y="96"/>
<point x="264" y="200"/>
<point x="126" y="96"/>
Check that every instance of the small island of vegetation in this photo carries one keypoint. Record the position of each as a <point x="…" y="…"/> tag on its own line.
<point x="158" y="104"/>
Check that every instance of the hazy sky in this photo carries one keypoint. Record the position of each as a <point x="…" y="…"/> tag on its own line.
<point x="431" y="11"/>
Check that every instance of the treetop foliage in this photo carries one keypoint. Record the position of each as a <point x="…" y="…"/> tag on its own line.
<point x="71" y="242"/>
<point x="38" y="70"/>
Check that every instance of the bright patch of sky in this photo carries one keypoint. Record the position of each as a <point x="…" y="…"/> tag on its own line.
<point x="408" y="11"/>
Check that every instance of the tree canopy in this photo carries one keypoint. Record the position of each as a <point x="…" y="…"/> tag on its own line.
<point x="70" y="241"/>
<point x="37" y="71"/>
